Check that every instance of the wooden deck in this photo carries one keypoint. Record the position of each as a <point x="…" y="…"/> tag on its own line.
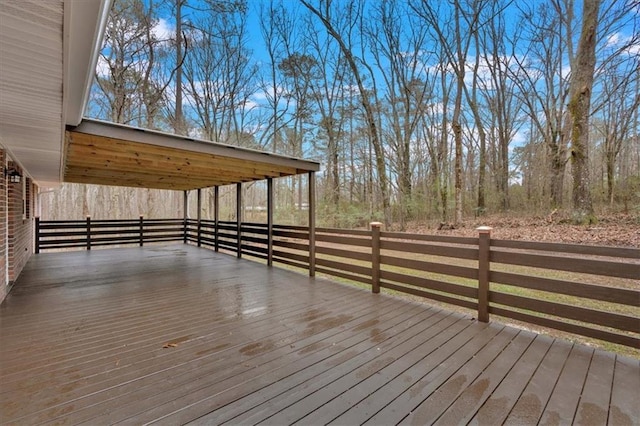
<point x="176" y="334"/>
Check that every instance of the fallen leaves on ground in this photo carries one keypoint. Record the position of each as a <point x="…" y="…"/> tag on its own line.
<point x="612" y="230"/>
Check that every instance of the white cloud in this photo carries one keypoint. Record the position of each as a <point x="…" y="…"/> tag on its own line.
<point x="613" y="39"/>
<point x="163" y="30"/>
<point x="618" y="40"/>
<point x="521" y="137"/>
<point x="102" y="67"/>
<point x="634" y="49"/>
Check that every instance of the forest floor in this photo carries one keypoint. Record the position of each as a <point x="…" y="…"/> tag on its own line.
<point x="621" y="230"/>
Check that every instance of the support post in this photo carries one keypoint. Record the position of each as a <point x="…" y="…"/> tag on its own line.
<point x="37" y="242"/>
<point x="312" y="224"/>
<point x="185" y="212"/>
<point x="141" y="230"/>
<point x="484" y="244"/>
<point x="216" y="216"/>
<point x="375" y="256"/>
<point x="239" y="217"/>
<point x="270" y="221"/>
<point x="199" y="216"/>
<point x="88" y="232"/>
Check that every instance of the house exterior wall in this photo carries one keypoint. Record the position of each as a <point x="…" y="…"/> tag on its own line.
<point x="17" y="222"/>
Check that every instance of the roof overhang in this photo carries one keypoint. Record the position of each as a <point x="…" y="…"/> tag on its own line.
<point x="104" y="153"/>
<point x="48" y="52"/>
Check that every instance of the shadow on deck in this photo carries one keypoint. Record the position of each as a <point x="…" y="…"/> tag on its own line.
<point x="178" y="334"/>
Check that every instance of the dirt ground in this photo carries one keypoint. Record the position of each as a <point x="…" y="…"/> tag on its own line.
<point x="613" y="230"/>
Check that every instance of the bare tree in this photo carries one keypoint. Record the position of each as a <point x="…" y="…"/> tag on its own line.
<point x="129" y="89"/>
<point x="501" y="95"/>
<point x="579" y="108"/>
<point x="398" y="50"/>
<point x="219" y="74"/>
<point x="354" y="12"/>
<point x="620" y="89"/>
<point x="542" y="76"/>
<point x="275" y="24"/>
<point x="453" y="29"/>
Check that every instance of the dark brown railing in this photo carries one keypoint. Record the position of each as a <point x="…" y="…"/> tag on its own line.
<point x="85" y="234"/>
<point x="585" y="290"/>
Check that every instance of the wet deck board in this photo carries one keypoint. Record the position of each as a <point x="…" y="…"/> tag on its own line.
<point x="176" y="334"/>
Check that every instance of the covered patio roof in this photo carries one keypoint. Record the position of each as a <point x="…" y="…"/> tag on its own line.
<point x="104" y="153"/>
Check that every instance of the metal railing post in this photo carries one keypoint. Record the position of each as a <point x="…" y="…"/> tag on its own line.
<point x="484" y="257"/>
<point x="375" y="256"/>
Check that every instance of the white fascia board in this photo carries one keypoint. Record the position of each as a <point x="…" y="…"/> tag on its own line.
<point x="84" y="26"/>
<point x="83" y="30"/>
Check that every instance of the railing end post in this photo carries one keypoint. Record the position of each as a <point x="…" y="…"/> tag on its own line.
<point x="484" y="258"/>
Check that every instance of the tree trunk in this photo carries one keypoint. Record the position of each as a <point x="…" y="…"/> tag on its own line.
<point x="557" y="175"/>
<point x="579" y="108"/>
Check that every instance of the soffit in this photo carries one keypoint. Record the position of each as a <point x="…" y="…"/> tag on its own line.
<point x="48" y="51"/>
<point x="31" y="76"/>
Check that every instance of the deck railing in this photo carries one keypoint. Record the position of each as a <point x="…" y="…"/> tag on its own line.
<point x="85" y="234"/>
<point x="585" y="290"/>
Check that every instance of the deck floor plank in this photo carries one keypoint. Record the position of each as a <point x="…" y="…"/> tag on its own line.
<point x="496" y="409"/>
<point x="625" y="408"/>
<point x="418" y="382"/>
<point x="176" y="393"/>
<point x="474" y="396"/>
<point x="176" y="334"/>
<point x="281" y="394"/>
<point x="562" y="405"/>
<point x="596" y="395"/>
<point x="133" y="395"/>
<point x="533" y="400"/>
<point x="134" y="374"/>
<point x="347" y="390"/>
<point x="433" y="405"/>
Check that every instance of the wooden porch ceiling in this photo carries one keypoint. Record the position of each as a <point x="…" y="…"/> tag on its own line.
<point x="109" y="154"/>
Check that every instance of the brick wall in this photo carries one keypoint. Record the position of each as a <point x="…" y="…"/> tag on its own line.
<point x="3" y="229"/>
<point x="19" y="229"/>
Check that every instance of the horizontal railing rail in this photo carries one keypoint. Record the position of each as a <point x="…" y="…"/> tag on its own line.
<point x="90" y="233"/>
<point x="586" y="290"/>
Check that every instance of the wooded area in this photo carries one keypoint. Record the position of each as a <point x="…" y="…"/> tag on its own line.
<point x="418" y="110"/>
